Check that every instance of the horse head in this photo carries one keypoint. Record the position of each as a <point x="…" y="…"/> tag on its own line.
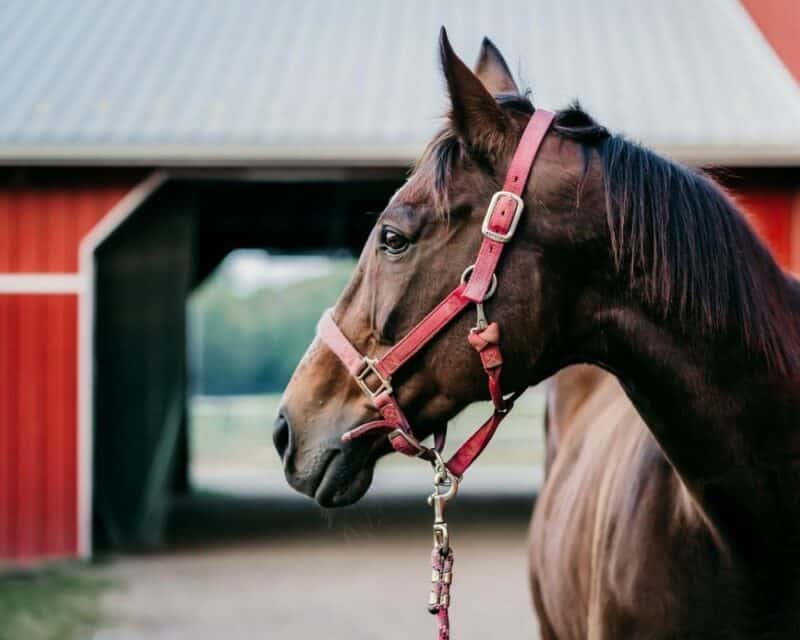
<point x="429" y="232"/>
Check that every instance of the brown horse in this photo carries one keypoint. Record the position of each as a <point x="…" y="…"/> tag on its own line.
<point x="689" y="527"/>
<point x="600" y="513"/>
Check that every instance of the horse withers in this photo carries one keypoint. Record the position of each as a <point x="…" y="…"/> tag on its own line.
<point x="680" y="521"/>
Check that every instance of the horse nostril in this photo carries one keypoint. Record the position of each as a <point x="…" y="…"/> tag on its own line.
<point x="281" y="434"/>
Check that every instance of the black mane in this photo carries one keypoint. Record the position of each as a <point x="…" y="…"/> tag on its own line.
<point x="681" y="239"/>
<point x="677" y="236"/>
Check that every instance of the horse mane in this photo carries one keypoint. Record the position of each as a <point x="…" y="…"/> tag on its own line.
<point x="676" y="235"/>
<point x="682" y="240"/>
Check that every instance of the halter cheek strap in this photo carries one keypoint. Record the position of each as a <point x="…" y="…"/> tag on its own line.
<point x="478" y="283"/>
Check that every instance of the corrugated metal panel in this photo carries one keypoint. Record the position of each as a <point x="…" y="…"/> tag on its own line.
<point x="38" y="426"/>
<point x="356" y="80"/>
<point x="41" y="228"/>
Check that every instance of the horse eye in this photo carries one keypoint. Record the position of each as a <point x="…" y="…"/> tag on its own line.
<point x="392" y="241"/>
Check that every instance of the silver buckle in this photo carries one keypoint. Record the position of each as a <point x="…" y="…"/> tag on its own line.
<point x="519" y="206"/>
<point x="361" y="379"/>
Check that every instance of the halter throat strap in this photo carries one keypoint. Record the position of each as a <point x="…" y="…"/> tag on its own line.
<point x="374" y="376"/>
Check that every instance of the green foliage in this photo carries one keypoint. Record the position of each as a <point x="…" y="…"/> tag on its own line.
<point x="53" y="604"/>
<point x="251" y="344"/>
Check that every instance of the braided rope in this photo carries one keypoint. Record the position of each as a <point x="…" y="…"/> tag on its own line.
<point x="442" y="565"/>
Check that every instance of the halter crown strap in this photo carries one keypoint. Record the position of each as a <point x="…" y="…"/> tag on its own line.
<point x="506" y="207"/>
<point x="374" y="376"/>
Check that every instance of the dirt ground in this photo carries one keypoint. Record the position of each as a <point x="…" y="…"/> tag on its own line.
<point x="360" y="575"/>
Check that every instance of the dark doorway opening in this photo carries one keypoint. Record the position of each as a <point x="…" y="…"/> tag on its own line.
<point x="145" y="272"/>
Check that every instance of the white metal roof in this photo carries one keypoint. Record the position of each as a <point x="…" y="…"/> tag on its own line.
<point x="284" y="82"/>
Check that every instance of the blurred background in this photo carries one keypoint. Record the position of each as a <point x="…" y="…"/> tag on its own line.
<point x="183" y="190"/>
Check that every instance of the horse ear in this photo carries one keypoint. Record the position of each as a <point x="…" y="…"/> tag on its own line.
<point x="475" y="115"/>
<point x="492" y="70"/>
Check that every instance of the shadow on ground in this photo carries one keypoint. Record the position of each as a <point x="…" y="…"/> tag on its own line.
<point x="208" y="518"/>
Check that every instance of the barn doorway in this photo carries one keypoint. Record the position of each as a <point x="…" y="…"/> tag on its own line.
<point x="145" y="272"/>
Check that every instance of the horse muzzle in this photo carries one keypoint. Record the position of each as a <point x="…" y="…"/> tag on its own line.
<point x="334" y="473"/>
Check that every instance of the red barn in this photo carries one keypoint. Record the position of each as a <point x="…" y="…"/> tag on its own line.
<point x="140" y="145"/>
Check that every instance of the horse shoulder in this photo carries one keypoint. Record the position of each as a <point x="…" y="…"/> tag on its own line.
<point x="567" y="393"/>
<point x="611" y="511"/>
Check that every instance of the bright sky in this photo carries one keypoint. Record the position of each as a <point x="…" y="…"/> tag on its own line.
<point x="248" y="270"/>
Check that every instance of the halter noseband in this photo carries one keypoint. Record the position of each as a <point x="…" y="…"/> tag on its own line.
<point x="478" y="283"/>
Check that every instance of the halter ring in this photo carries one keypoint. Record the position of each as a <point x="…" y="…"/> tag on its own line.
<point x="492" y="287"/>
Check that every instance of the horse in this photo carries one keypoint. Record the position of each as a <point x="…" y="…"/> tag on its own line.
<point x="582" y="513"/>
<point x="681" y="521"/>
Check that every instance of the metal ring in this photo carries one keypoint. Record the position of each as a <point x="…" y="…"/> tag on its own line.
<point x="438" y="462"/>
<point x="492" y="287"/>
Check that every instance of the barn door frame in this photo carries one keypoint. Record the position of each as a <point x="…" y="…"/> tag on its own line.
<point x="86" y="322"/>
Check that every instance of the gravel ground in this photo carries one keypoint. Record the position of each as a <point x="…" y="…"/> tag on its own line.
<point x="358" y="574"/>
<point x="268" y="564"/>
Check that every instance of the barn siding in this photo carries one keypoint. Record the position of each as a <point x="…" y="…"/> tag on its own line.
<point x="38" y="426"/>
<point x="770" y="211"/>
<point x="41" y="227"/>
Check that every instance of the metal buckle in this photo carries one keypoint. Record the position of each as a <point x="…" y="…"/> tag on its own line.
<point x="361" y="379"/>
<point x="519" y="206"/>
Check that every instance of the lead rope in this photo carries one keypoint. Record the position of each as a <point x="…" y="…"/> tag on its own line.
<point x="484" y="338"/>
<point x="445" y="488"/>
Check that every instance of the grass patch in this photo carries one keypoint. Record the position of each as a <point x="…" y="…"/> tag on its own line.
<point x="51" y="604"/>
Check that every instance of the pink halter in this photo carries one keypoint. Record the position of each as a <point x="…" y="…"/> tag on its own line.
<point x="478" y="283"/>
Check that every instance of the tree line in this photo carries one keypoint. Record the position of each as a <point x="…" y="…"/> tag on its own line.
<point x="252" y="343"/>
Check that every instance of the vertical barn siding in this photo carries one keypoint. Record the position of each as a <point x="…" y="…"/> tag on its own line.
<point x="38" y="426"/>
<point x="8" y="348"/>
<point x="41" y="228"/>
<point x="770" y="211"/>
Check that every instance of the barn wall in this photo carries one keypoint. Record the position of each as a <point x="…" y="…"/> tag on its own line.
<point x="774" y="212"/>
<point x="770" y="211"/>
<point x="41" y="227"/>
<point x="778" y="21"/>
<point x="38" y="426"/>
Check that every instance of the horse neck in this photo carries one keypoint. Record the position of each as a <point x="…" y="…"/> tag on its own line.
<point x="723" y="413"/>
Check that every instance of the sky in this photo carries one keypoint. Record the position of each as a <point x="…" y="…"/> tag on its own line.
<point x="248" y="270"/>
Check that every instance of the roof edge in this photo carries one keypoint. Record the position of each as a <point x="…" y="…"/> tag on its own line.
<point x="402" y="155"/>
